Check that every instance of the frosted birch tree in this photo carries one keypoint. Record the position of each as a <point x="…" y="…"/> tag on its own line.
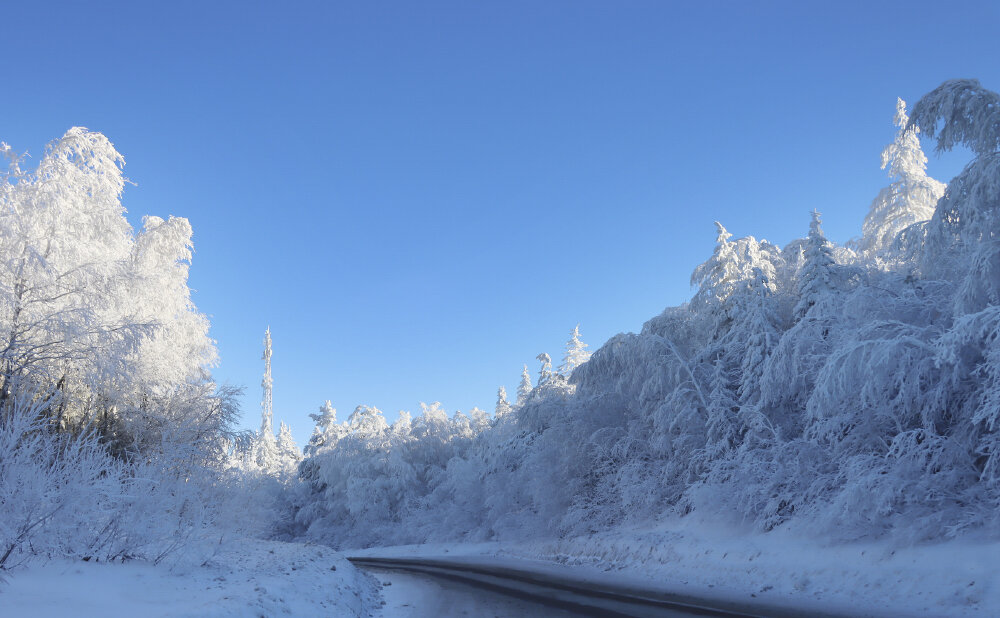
<point x="98" y="315"/>
<point x="108" y="411"/>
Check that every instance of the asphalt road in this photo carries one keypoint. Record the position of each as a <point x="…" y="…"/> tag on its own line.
<point x="461" y="587"/>
<point x="414" y="595"/>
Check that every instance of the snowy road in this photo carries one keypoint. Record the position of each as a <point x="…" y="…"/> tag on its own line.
<point x="435" y="587"/>
<point x="413" y="595"/>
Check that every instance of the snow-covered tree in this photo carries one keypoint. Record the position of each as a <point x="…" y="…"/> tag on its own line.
<point x="733" y="263"/>
<point x="576" y="353"/>
<point x="288" y="451"/>
<point x="962" y="240"/>
<point x="722" y="425"/>
<point x="326" y="424"/>
<point x="98" y="314"/>
<point x="717" y="277"/>
<point x="816" y="280"/>
<point x="65" y="247"/>
<point x="503" y="406"/>
<point x="960" y="111"/>
<point x="912" y="195"/>
<point x="524" y="388"/>
<point x="479" y="421"/>
<point x="111" y="428"/>
<point x="367" y="421"/>
<point x="545" y="372"/>
<point x="963" y="247"/>
<point x="758" y="329"/>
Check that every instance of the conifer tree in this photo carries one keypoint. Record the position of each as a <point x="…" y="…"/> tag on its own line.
<point x="717" y="277"/>
<point x="726" y="273"/>
<point x="816" y="279"/>
<point x="503" y="407"/>
<point x="524" y="388"/>
<point x="722" y="428"/>
<point x="758" y="328"/>
<point x="288" y="451"/>
<point x="326" y="420"/>
<point x="545" y="373"/>
<point x="961" y="240"/>
<point x="912" y="195"/>
<point x="962" y="246"/>
<point x="576" y="354"/>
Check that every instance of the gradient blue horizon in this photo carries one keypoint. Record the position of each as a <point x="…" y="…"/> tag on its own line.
<point x="418" y="198"/>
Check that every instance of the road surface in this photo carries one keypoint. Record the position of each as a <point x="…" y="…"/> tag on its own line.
<point x="435" y="587"/>
<point x="413" y="595"/>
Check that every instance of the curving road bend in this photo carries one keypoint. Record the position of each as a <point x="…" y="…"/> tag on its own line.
<point x="419" y="587"/>
<point x="416" y="595"/>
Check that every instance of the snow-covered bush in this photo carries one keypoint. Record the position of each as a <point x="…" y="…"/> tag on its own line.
<point x="58" y="492"/>
<point x="365" y="477"/>
<point x="64" y="494"/>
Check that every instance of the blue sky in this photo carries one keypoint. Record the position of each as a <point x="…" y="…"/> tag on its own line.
<point x="420" y="197"/>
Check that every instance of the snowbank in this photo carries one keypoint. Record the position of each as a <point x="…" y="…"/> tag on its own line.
<point x="958" y="578"/>
<point x="248" y="579"/>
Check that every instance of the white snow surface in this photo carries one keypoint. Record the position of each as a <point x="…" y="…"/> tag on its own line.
<point x="247" y="578"/>
<point x="780" y="568"/>
<point x="777" y="569"/>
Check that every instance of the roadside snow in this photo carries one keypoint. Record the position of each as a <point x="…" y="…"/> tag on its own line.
<point x="246" y="579"/>
<point x="957" y="578"/>
<point x="261" y="578"/>
<point x="777" y="569"/>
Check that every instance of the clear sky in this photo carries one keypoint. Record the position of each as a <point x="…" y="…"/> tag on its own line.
<point x="418" y="197"/>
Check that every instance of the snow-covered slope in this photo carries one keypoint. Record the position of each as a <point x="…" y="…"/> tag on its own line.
<point x="246" y="579"/>
<point x="952" y="578"/>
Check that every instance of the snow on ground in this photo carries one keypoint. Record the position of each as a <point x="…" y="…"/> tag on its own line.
<point x="262" y="578"/>
<point x="246" y="579"/>
<point x="957" y="578"/>
<point x="954" y="578"/>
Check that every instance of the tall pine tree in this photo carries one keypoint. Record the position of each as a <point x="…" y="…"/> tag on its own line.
<point x="816" y="280"/>
<point x="576" y="353"/>
<point x="503" y="406"/>
<point x="524" y="388"/>
<point x="912" y="195"/>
